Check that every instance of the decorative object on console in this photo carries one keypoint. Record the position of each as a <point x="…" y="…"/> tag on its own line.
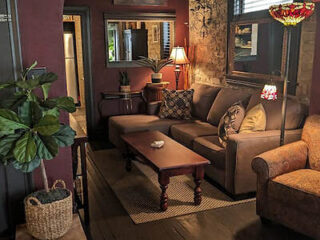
<point x="30" y="133"/>
<point x="290" y="15"/>
<point x="255" y="120"/>
<point x="176" y="104"/>
<point x="230" y="122"/>
<point x="179" y="57"/>
<point x="141" y="2"/>
<point x="157" y="144"/>
<point x="124" y="82"/>
<point x="155" y="65"/>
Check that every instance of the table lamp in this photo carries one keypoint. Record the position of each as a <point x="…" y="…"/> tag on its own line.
<point x="290" y="15"/>
<point x="179" y="57"/>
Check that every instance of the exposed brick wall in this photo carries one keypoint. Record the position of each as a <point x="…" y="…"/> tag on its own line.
<point x="209" y="65"/>
<point x="307" y="47"/>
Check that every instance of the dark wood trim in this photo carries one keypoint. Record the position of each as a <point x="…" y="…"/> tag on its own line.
<point x="84" y="12"/>
<point x="167" y="16"/>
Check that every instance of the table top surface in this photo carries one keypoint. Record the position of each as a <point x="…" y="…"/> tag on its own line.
<point x="117" y="93"/>
<point x="172" y="155"/>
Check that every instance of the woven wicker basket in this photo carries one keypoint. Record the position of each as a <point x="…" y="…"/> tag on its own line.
<point x="49" y="221"/>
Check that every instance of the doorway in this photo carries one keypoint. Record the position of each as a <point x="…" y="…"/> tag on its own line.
<point x="73" y="51"/>
<point x="77" y="34"/>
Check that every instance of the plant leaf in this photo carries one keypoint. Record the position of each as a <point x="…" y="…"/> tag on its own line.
<point x="48" y="125"/>
<point x="65" y="136"/>
<point x="7" y="143"/>
<point x="28" y="84"/>
<point x="9" y="120"/>
<point x="14" y="101"/>
<point x="47" y="147"/>
<point x="25" y="149"/>
<point x="45" y="89"/>
<point x="47" y="78"/>
<point x="6" y="132"/>
<point x="27" y="167"/>
<point x="30" y="113"/>
<point x="54" y="112"/>
<point x="66" y="103"/>
<point x="27" y="70"/>
<point x="8" y="84"/>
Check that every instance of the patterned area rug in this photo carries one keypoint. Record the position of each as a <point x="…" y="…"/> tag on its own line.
<point x="139" y="191"/>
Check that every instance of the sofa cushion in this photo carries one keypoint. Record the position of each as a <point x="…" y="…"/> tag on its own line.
<point x="202" y="99"/>
<point x="311" y="135"/>
<point x="134" y="123"/>
<point x="186" y="133"/>
<point x="176" y="104"/>
<point x="230" y="122"/>
<point x="225" y="98"/>
<point x="296" y="112"/>
<point x="301" y="187"/>
<point x="210" y="148"/>
<point x="255" y="120"/>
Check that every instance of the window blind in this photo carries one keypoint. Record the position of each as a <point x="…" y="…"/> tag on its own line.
<point x="247" y="6"/>
<point x="166" y="38"/>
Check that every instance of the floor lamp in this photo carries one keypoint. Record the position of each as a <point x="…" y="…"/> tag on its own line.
<point x="290" y="15"/>
<point x="178" y="57"/>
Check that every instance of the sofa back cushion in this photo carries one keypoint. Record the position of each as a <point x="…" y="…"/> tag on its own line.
<point x="311" y="135"/>
<point x="225" y="98"/>
<point x="203" y="98"/>
<point x="295" y="112"/>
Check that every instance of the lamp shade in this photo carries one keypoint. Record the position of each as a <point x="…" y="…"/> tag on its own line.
<point x="178" y="56"/>
<point x="292" y="13"/>
<point x="269" y="92"/>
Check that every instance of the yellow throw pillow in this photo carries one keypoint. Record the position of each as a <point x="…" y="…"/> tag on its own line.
<point x="255" y="120"/>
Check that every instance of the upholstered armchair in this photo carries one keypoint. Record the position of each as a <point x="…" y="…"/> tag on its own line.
<point x="288" y="190"/>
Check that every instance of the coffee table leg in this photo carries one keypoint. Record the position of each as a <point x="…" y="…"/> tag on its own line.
<point x="198" y="176"/>
<point x="164" y="181"/>
<point x="128" y="157"/>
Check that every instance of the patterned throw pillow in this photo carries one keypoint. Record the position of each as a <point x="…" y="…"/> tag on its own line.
<point x="176" y="104"/>
<point x="230" y="122"/>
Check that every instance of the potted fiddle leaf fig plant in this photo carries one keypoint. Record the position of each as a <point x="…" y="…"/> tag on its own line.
<point x="30" y="133"/>
<point x="124" y="82"/>
<point x="155" y="65"/>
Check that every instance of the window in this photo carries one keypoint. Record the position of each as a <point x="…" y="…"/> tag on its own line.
<point x="247" y="6"/>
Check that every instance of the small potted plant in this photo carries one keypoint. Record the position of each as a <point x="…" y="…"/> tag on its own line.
<point x="155" y="65"/>
<point x="124" y="82"/>
<point x="30" y="132"/>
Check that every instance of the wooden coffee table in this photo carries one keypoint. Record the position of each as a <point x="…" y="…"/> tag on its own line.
<point x="172" y="159"/>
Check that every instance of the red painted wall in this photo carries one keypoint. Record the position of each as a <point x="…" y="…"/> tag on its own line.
<point x="315" y="87"/>
<point x="106" y="79"/>
<point x="41" y="30"/>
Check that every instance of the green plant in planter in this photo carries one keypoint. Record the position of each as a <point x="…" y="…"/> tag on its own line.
<point x="124" y="79"/>
<point x="30" y="130"/>
<point x="155" y="65"/>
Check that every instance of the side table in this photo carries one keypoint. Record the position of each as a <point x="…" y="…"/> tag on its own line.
<point x="124" y="97"/>
<point x="154" y="91"/>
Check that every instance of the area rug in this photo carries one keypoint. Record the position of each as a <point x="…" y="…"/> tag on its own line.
<point x="139" y="191"/>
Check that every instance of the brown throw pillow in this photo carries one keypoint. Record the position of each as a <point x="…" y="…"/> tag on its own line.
<point x="255" y="120"/>
<point x="176" y="104"/>
<point x="230" y="122"/>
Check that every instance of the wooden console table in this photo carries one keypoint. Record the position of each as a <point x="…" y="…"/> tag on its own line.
<point x="125" y="97"/>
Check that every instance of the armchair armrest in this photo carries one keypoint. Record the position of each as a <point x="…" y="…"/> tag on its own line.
<point x="281" y="160"/>
<point x="240" y="151"/>
<point x="153" y="107"/>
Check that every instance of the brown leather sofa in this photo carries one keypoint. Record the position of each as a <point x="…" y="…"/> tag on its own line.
<point x="289" y="182"/>
<point x="231" y="166"/>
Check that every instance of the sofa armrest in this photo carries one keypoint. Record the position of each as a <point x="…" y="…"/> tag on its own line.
<point x="240" y="151"/>
<point x="153" y="107"/>
<point x="281" y="160"/>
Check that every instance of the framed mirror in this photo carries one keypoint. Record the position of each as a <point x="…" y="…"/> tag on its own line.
<point x="129" y="36"/>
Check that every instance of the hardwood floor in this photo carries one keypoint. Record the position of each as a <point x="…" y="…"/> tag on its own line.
<point x="109" y="221"/>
